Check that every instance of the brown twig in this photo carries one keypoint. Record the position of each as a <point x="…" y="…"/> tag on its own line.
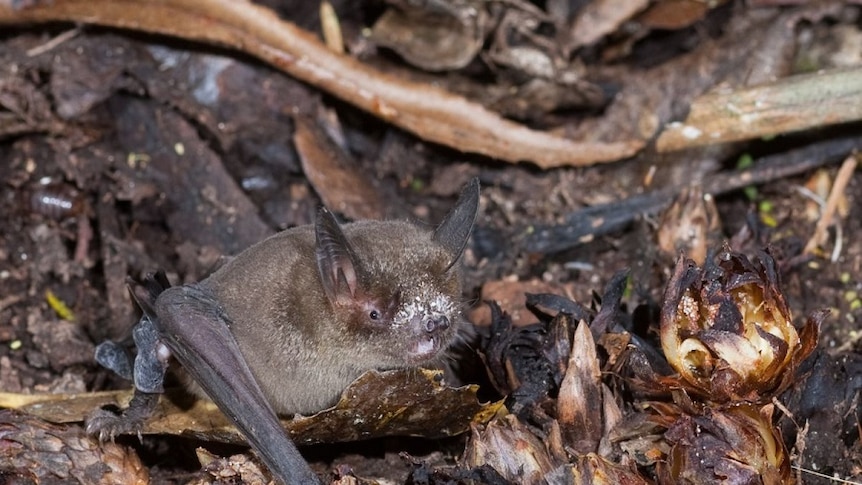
<point x="845" y="173"/>
<point x="431" y="113"/>
<point x="53" y="43"/>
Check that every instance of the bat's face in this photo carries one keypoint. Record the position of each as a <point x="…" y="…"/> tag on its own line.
<point x="406" y="310"/>
<point x="394" y="288"/>
<point x="428" y="319"/>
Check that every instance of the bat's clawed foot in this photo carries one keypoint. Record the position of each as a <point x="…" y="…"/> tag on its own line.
<point x="107" y="424"/>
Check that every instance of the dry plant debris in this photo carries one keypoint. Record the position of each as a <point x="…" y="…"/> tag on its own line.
<point x="433" y="114"/>
<point x="792" y="104"/>
<point x="123" y="154"/>
<point x="727" y="331"/>
<point x="406" y="403"/>
<point x="620" y="414"/>
<point x="34" y="451"/>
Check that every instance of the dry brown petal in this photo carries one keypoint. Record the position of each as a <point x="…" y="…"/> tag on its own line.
<point x="640" y="436"/>
<point x="594" y="470"/>
<point x="690" y="225"/>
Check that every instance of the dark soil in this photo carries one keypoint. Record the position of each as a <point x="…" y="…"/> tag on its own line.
<point x="124" y="153"/>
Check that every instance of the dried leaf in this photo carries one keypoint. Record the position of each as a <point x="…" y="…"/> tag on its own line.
<point x="336" y="178"/>
<point x="432" y="37"/>
<point x="400" y="402"/>
<point x="236" y="469"/>
<point x="601" y="17"/>
<point x="675" y="14"/>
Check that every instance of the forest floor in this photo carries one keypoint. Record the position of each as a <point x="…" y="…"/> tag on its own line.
<point x="124" y="151"/>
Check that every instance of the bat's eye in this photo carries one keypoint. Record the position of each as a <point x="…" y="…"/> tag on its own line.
<point x="374" y="315"/>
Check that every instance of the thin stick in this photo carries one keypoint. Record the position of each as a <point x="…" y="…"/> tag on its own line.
<point x="51" y="44"/>
<point x="841" y="181"/>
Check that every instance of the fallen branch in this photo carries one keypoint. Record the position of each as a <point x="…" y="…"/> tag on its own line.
<point x="429" y="112"/>
<point x="788" y="105"/>
<point x="845" y="173"/>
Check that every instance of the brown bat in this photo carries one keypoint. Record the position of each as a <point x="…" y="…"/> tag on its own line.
<point x="287" y="324"/>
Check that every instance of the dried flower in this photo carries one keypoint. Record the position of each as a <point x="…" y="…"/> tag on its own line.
<point x="737" y="445"/>
<point x="728" y="332"/>
<point x="592" y="469"/>
<point x="513" y="450"/>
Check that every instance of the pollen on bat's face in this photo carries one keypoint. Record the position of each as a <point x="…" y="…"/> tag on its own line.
<point x="424" y="302"/>
<point x="427" y="320"/>
<point x="420" y="308"/>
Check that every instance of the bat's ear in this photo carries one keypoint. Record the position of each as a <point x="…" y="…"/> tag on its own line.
<point x="336" y="260"/>
<point x="455" y="229"/>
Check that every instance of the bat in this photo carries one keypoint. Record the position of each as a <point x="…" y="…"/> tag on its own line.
<point x="287" y="324"/>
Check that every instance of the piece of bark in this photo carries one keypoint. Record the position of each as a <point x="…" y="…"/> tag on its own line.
<point x="34" y="451"/>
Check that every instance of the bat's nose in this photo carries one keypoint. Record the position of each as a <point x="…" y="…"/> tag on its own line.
<point x="432" y="324"/>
